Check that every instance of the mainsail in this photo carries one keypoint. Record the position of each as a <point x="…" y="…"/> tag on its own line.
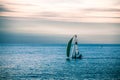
<point x="69" y="47"/>
<point x="75" y="53"/>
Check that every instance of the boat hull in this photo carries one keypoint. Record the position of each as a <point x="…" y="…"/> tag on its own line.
<point x="79" y="57"/>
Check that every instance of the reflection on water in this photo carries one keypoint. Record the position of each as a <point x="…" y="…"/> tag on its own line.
<point x="25" y="62"/>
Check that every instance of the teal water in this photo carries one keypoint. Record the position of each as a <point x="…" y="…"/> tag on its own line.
<point x="48" y="62"/>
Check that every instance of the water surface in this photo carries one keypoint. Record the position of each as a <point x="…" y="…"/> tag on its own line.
<point x="48" y="62"/>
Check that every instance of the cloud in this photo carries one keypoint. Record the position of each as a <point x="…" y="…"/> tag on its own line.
<point x="108" y="9"/>
<point x="3" y="9"/>
<point x="24" y="30"/>
<point x="20" y="4"/>
<point x="49" y="14"/>
<point x="65" y="10"/>
<point x="117" y="3"/>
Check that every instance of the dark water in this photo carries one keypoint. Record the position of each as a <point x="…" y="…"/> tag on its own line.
<point x="48" y="62"/>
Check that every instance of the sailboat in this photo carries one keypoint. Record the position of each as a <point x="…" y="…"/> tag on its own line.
<point x="75" y="51"/>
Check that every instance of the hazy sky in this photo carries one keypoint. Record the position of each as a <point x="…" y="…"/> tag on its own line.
<point x="55" y="21"/>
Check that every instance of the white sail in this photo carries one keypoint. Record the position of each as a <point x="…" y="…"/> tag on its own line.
<point x="75" y="53"/>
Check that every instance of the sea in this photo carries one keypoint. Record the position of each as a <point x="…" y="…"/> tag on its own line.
<point x="48" y="62"/>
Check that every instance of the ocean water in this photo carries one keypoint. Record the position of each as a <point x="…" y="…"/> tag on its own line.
<point x="48" y="62"/>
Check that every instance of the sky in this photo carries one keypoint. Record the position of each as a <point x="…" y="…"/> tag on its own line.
<point x="56" y="21"/>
